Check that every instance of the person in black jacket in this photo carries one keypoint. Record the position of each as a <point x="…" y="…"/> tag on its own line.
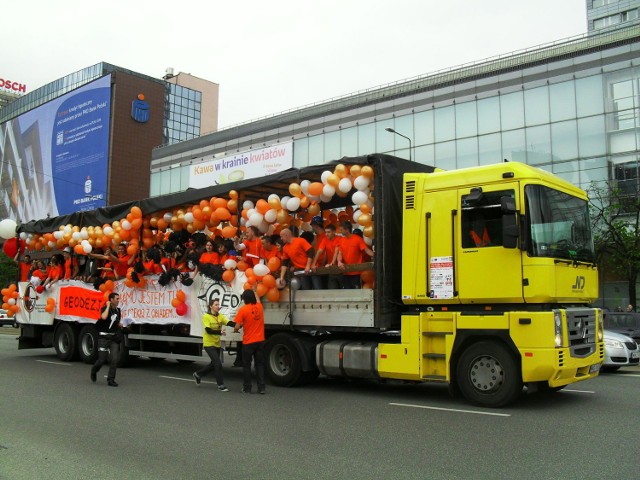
<point x="109" y="338"/>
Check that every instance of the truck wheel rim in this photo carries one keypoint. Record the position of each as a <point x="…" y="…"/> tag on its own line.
<point x="87" y="345"/>
<point x="280" y="360"/>
<point x="486" y="374"/>
<point x="63" y="343"/>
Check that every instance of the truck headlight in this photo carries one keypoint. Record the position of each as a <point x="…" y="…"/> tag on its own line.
<point x="600" y="326"/>
<point x="557" y="325"/>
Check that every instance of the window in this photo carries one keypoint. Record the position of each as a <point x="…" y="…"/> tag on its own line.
<point x="482" y="218"/>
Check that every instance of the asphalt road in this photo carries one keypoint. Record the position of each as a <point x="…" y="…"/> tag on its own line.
<point x="157" y="424"/>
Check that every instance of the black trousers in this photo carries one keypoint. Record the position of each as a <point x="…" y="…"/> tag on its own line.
<point x="107" y="344"/>
<point x="253" y="351"/>
<point x="215" y="365"/>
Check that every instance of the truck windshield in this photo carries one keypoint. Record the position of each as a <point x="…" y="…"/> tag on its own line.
<point x="559" y="225"/>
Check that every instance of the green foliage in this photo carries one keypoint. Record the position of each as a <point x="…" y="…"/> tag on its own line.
<point x="615" y="217"/>
<point x="8" y="270"/>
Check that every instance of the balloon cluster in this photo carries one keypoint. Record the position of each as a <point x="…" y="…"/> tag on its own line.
<point x="10" y="297"/>
<point x="179" y="303"/>
<point x="106" y="288"/>
<point x="51" y="305"/>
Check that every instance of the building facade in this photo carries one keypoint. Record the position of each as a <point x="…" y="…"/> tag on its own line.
<point x="570" y="108"/>
<point x="610" y="13"/>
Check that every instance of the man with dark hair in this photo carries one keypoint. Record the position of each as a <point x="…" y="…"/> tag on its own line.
<point x="109" y="339"/>
<point x="298" y="254"/>
<point x="328" y="249"/>
<point x="350" y="253"/>
<point x="250" y="318"/>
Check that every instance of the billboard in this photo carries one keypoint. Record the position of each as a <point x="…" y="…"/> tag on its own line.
<point x="54" y="158"/>
<point x="242" y="166"/>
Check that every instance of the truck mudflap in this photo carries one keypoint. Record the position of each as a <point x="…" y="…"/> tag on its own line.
<point x="557" y="367"/>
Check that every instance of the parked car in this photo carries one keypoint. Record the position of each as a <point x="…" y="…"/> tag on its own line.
<point x="627" y="323"/>
<point x="5" y="319"/>
<point x="619" y="351"/>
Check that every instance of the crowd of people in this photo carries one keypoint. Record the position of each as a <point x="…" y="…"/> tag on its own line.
<point x="300" y="253"/>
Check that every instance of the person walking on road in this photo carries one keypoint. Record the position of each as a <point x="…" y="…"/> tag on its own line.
<point x="213" y="322"/>
<point x="250" y="318"/>
<point x="109" y="338"/>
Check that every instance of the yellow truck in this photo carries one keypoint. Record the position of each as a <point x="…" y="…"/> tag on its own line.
<point x="483" y="280"/>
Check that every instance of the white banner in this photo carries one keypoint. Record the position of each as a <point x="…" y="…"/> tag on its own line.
<point x="242" y="166"/>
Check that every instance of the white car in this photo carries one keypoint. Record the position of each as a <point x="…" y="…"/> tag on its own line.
<point x="619" y="351"/>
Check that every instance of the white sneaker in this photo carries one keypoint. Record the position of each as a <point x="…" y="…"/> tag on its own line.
<point x="222" y="388"/>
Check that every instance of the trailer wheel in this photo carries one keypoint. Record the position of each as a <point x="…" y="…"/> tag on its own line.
<point x="88" y="344"/>
<point x="488" y="375"/>
<point x="64" y="342"/>
<point x="282" y="361"/>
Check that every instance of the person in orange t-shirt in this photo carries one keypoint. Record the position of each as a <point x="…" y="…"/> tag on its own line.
<point x="350" y="253"/>
<point x="250" y="318"/>
<point x="70" y="264"/>
<point x="24" y="266"/>
<point x="297" y="254"/>
<point x="121" y="262"/>
<point x="54" y="271"/>
<point x="268" y="249"/>
<point x="328" y="247"/>
<point x="250" y="247"/>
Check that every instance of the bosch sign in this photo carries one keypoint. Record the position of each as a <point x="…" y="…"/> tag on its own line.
<point x="11" y="85"/>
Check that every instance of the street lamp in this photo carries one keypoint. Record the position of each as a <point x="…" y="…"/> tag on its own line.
<point x="391" y="130"/>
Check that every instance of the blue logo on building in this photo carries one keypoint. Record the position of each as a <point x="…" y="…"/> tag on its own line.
<point x="140" y="109"/>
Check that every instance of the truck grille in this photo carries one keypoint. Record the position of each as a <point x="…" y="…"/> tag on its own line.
<point x="581" y="325"/>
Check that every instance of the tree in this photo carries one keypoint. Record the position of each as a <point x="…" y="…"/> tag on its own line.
<point x="8" y="270"/>
<point x="615" y="220"/>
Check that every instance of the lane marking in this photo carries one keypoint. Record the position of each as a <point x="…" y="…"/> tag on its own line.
<point x="451" y="410"/>
<point x="55" y="363"/>
<point x="577" y="391"/>
<point x="187" y="379"/>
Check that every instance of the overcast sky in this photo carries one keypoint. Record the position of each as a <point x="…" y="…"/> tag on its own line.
<point x="272" y="56"/>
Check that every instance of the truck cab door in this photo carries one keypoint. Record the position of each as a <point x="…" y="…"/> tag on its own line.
<point x="487" y="267"/>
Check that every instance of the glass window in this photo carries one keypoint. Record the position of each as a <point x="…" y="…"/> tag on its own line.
<point x="301" y="152"/>
<point x="512" y="111"/>
<point x="624" y="141"/>
<point x="623" y="105"/>
<point x="425" y="154"/>
<point x="445" y="123"/>
<point x="467" y="152"/>
<point x="165" y="182"/>
<point x="446" y="155"/>
<point x="489" y="149"/>
<point x="536" y="105"/>
<point x="569" y="171"/>
<point x="564" y="140"/>
<point x="562" y="97"/>
<point x="424" y="128"/>
<point x="514" y="146"/>
<point x="384" y="140"/>
<point x="489" y="115"/>
<point x="367" y="139"/>
<point x="593" y="170"/>
<point x="332" y="145"/>
<point x="316" y="150"/>
<point x="466" y="119"/>
<point x="184" y="177"/>
<point x="538" y="145"/>
<point x="154" y="187"/>
<point x="349" y="143"/>
<point x="592" y="140"/>
<point x="590" y="96"/>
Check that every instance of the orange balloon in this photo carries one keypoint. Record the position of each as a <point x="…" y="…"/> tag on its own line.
<point x="247" y="286"/>
<point x="220" y="203"/>
<point x="262" y="206"/>
<point x="273" y="295"/>
<point x="295" y="190"/>
<point x="249" y="272"/>
<point x="175" y="302"/>
<point x="242" y="265"/>
<point x="132" y="249"/>
<point x="48" y="308"/>
<point x="304" y="201"/>
<point x="229" y="232"/>
<point x="180" y="295"/>
<point x="16" y="308"/>
<point x="315" y="188"/>
<point x="109" y="284"/>
<point x="232" y="205"/>
<point x="314" y="209"/>
<point x="364" y="208"/>
<point x="222" y="214"/>
<point x="233" y="194"/>
<point x="274" y="264"/>
<point x="261" y="289"/>
<point x="78" y="249"/>
<point x="136" y="212"/>
<point x="228" y="275"/>
<point x="269" y="281"/>
<point x="367" y="171"/>
<point x="355" y="171"/>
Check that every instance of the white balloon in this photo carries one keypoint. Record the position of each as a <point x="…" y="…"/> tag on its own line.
<point x="359" y="198"/>
<point x="368" y="241"/>
<point x="260" y="270"/>
<point x="264" y="226"/>
<point x="356" y="214"/>
<point x="273" y="195"/>
<point x="313" y="198"/>
<point x="188" y="217"/>
<point x="126" y="225"/>
<point x="293" y="204"/>
<point x="256" y="218"/>
<point x="76" y="236"/>
<point x="51" y="244"/>
<point x="107" y="230"/>
<point x="67" y="230"/>
<point x="8" y="228"/>
<point x="84" y="234"/>
<point x="57" y="235"/>
<point x="361" y="182"/>
<point x="325" y="175"/>
<point x="230" y="263"/>
<point x="284" y="200"/>
<point x="167" y="217"/>
<point x="324" y="199"/>
<point x="87" y="248"/>
<point x="271" y="229"/>
<point x="247" y="204"/>
<point x="271" y="215"/>
<point x="304" y="185"/>
<point x="345" y="185"/>
<point x="328" y="191"/>
<point x="11" y="301"/>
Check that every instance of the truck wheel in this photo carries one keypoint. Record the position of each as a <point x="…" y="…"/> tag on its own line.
<point x="282" y="361"/>
<point x="88" y="344"/>
<point x="64" y="341"/>
<point x="488" y="375"/>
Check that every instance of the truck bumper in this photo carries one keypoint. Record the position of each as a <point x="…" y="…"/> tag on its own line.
<point x="557" y="367"/>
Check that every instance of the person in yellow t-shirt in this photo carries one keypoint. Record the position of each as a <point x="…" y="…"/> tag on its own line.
<point x="213" y="322"/>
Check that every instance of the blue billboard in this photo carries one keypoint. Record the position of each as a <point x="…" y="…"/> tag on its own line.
<point x="54" y="158"/>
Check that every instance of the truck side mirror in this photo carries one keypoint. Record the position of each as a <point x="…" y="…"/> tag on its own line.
<point x="510" y="231"/>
